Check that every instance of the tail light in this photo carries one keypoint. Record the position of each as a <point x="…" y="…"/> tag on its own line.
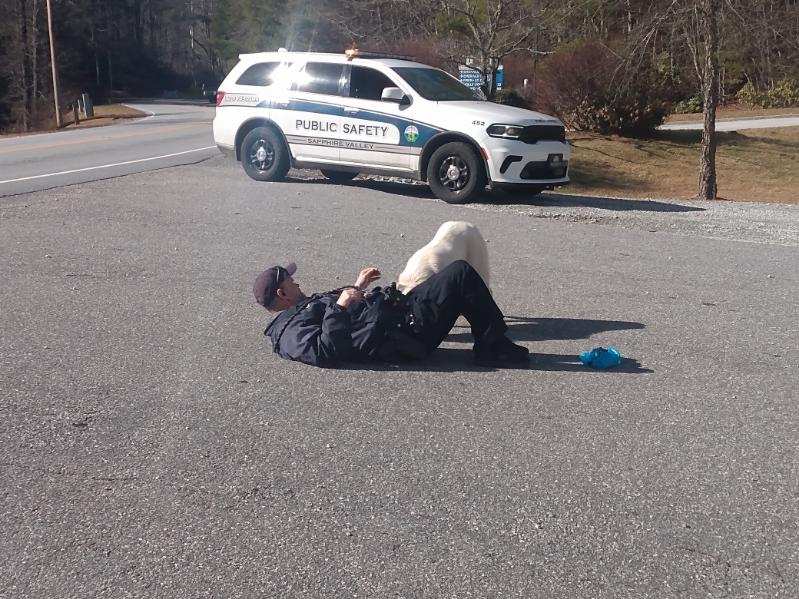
<point x="219" y="97"/>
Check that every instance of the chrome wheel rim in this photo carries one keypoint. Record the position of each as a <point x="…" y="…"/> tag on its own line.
<point x="453" y="173"/>
<point x="262" y="155"/>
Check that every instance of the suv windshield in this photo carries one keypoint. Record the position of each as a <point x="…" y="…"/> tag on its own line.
<point x="436" y="85"/>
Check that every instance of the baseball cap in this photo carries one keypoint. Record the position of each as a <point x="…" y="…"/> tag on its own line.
<point x="268" y="282"/>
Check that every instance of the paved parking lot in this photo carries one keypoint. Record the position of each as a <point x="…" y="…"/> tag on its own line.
<point x="154" y="446"/>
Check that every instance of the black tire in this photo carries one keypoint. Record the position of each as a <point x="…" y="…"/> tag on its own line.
<point x="456" y="173"/>
<point x="338" y="176"/>
<point x="264" y="155"/>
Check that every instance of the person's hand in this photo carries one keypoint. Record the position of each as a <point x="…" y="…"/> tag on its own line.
<point x="366" y="277"/>
<point x="348" y="296"/>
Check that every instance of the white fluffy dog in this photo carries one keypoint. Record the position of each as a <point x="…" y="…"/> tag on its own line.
<point x="454" y="240"/>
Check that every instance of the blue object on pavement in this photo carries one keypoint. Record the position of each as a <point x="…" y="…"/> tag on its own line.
<point x="601" y="358"/>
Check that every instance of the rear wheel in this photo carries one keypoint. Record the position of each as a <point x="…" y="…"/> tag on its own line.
<point x="455" y="173"/>
<point x="264" y="155"/>
<point x="338" y="176"/>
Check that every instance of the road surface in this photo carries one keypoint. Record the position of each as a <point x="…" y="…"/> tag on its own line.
<point x="774" y="122"/>
<point x="174" y="134"/>
<point x="152" y="445"/>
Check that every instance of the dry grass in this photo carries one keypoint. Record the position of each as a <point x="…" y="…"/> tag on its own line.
<point x="734" y="112"/>
<point x="756" y="165"/>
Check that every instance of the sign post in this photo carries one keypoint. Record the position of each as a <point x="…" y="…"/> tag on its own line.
<point x="53" y="66"/>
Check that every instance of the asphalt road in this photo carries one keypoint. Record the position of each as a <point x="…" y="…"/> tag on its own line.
<point x="172" y="135"/>
<point x="773" y="122"/>
<point x="153" y="446"/>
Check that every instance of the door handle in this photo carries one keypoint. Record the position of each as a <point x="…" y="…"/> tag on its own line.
<point x="351" y="111"/>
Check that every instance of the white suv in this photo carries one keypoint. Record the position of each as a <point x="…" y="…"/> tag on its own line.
<point x="355" y="113"/>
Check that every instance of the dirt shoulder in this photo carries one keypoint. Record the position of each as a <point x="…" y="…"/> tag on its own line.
<point x="106" y="114"/>
<point x="760" y="165"/>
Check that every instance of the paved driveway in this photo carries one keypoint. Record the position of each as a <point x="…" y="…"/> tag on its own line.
<point x="153" y="446"/>
<point x="739" y="124"/>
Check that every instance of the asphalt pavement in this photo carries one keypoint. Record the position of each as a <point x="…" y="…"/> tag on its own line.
<point x="172" y="134"/>
<point x="154" y="446"/>
<point x="764" y="122"/>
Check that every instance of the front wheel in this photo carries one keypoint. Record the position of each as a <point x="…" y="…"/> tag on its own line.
<point x="456" y="173"/>
<point x="264" y="156"/>
<point x="338" y="176"/>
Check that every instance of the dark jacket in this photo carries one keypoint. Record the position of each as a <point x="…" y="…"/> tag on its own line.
<point x="321" y="333"/>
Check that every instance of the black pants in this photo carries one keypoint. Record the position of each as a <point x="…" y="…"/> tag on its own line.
<point x="458" y="290"/>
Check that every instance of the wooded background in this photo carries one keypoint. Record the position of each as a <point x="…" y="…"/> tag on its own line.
<point x="603" y="65"/>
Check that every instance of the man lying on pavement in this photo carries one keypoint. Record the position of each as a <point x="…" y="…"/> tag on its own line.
<point x="351" y="325"/>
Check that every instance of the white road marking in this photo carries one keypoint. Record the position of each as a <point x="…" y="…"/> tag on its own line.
<point x="91" y="168"/>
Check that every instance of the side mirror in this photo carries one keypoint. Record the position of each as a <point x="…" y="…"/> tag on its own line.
<point x="395" y="94"/>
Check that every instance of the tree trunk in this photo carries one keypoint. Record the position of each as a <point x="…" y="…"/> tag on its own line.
<point x="34" y="48"/>
<point x="708" y="188"/>
<point x="25" y="63"/>
<point x="492" y="82"/>
<point x="110" y="39"/>
<point x="629" y="13"/>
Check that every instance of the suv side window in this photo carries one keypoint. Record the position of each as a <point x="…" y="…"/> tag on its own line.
<point x="258" y="74"/>
<point x="321" y="78"/>
<point x="368" y="84"/>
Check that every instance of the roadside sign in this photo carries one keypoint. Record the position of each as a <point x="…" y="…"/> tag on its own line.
<point x="471" y="78"/>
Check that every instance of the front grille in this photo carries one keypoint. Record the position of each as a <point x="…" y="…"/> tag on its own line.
<point x="536" y="133"/>
<point x="544" y="170"/>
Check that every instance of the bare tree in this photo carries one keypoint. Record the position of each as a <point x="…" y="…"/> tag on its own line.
<point x="696" y="24"/>
<point x="490" y="30"/>
<point x="484" y="30"/>
<point x="708" y="9"/>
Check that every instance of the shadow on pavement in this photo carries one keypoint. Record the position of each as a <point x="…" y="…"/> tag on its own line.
<point x="548" y="199"/>
<point x="409" y="189"/>
<point x="446" y="359"/>
<point x="521" y="328"/>
<point x="553" y="199"/>
<point x="571" y="363"/>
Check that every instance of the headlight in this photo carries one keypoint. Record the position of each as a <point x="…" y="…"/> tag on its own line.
<point x="507" y="131"/>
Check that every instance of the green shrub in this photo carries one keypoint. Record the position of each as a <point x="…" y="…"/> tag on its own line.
<point x="749" y="96"/>
<point x="783" y="94"/>
<point x="689" y="106"/>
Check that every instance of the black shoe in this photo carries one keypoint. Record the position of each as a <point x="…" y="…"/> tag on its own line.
<point x="502" y="353"/>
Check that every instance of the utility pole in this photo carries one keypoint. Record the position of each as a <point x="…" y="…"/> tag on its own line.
<point x="53" y="65"/>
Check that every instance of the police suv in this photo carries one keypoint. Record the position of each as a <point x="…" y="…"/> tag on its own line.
<point x="368" y="113"/>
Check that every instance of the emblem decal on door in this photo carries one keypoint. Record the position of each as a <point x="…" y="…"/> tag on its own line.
<point x="411" y="133"/>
